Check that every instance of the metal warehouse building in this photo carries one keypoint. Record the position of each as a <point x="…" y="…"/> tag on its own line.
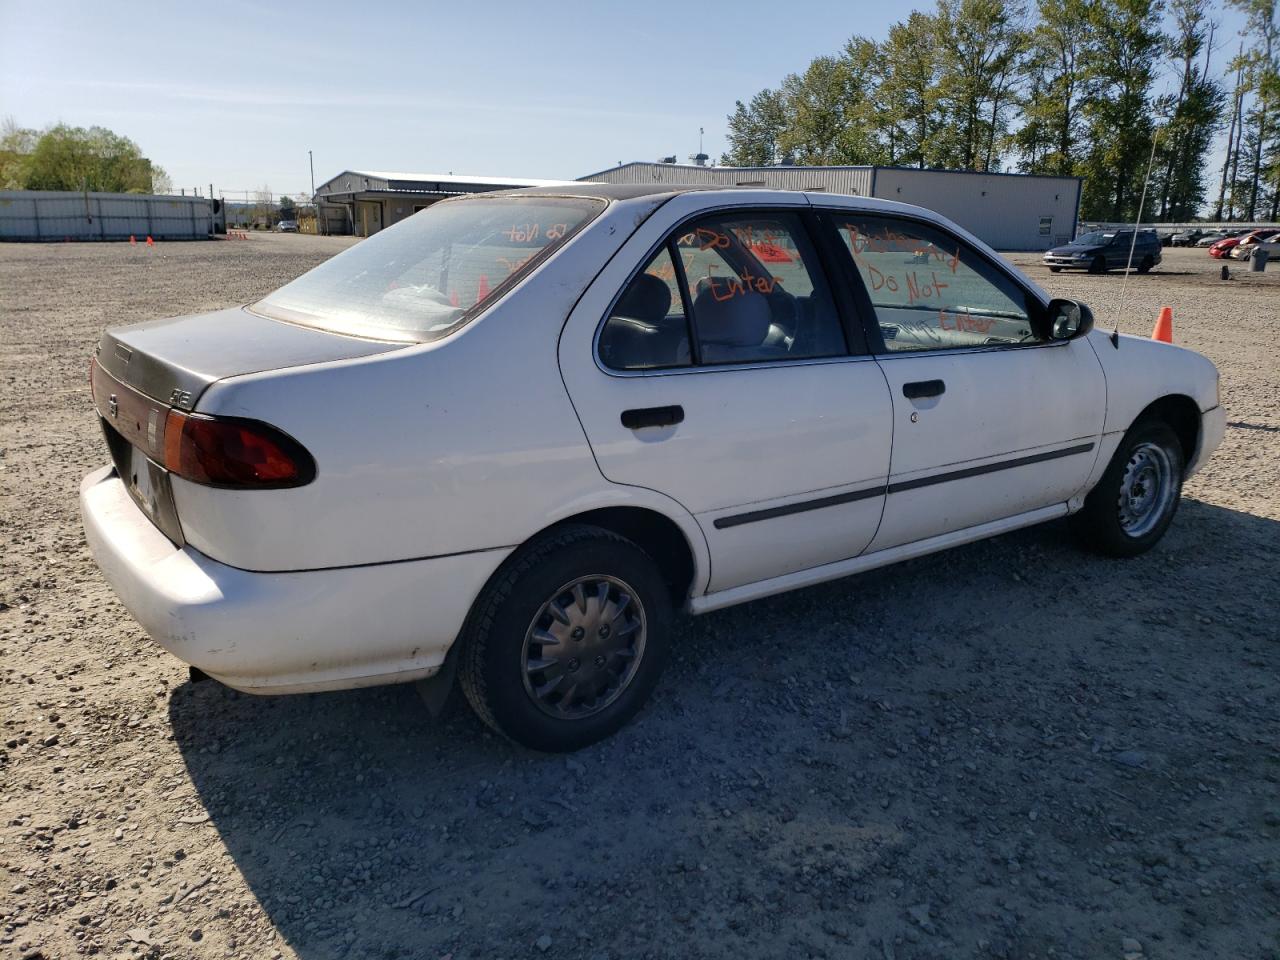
<point x="362" y="202"/>
<point x="1010" y="211"/>
<point x="59" y="215"/>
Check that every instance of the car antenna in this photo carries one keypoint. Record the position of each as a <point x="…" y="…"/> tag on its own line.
<point x="1133" y="240"/>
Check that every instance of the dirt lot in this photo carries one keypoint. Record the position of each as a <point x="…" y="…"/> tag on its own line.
<point x="1014" y="749"/>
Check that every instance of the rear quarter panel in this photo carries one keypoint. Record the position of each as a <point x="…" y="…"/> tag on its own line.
<point x="465" y="444"/>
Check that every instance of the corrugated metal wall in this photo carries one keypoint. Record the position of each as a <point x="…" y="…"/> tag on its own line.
<point x="53" y="215"/>
<point x="849" y="180"/>
<point x="1010" y="212"/>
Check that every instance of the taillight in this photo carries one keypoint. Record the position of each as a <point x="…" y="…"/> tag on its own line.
<point x="231" y="452"/>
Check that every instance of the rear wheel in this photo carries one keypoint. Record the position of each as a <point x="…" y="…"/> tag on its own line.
<point x="1135" y="501"/>
<point x="1146" y="264"/>
<point x="1098" y="265"/>
<point x="567" y="640"/>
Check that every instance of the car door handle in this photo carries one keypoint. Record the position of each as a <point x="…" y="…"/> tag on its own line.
<point x="923" y="388"/>
<point x="653" y="417"/>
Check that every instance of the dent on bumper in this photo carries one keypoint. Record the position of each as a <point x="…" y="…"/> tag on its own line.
<point x="280" y="632"/>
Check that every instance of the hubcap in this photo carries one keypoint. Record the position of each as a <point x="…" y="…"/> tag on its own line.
<point x="1146" y="489"/>
<point x="583" y="647"/>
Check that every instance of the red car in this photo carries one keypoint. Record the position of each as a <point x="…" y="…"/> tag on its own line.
<point x="1224" y="246"/>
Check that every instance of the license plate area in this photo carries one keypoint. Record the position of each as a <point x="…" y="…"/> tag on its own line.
<point x="147" y="483"/>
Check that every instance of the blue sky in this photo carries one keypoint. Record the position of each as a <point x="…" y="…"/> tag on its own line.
<point x="235" y="93"/>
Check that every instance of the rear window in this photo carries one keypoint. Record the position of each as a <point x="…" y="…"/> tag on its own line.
<point x="424" y="277"/>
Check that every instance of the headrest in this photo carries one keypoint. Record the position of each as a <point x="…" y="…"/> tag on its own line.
<point x="646" y="298"/>
<point x="739" y="320"/>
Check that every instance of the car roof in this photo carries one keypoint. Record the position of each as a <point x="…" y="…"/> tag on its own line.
<point x="622" y="192"/>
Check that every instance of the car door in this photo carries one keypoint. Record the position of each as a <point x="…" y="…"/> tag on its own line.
<point x="710" y="362"/>
<point x="1117" y="252"/>
<point x="991" y="419"/>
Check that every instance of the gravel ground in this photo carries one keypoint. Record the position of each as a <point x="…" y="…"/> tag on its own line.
<point x="1013" y="749"/>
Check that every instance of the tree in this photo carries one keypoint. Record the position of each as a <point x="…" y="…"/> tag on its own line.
<point x="981" y="44"/>
<point x="908" y="90"/>
<point x="1054" y="88"/>
<point x="287" y="209"/>
<point x="1120" y="65"/>
<point x="826" y="109"/>
<point x="755" y="130"/>
<point x="1261" y="64"/>
<point x="16" y="145"/>
<point x="73" y="158"/>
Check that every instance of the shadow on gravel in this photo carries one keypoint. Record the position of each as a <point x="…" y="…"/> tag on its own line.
<point x="1007" y="748"/>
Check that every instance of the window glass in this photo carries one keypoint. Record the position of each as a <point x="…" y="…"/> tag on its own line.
<point x="758" y="292"/>
<point x="930" y="291"/>
<point x="647" y="328"/>
<point x="419" y="279"/>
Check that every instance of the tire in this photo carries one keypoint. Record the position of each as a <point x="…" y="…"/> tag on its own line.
<point x="582" y="573"/>
<point x="1098" y="265"/>
<point x="1055" y="269"/>
<point x="1146" y="265"/>
<point x="1147" y="472"/>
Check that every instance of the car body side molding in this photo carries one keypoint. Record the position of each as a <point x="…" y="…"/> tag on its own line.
<point x="770" y="513"/>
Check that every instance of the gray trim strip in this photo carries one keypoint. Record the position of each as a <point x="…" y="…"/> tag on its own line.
<point x="905" y="485"/>
<point x="770" y="513"/>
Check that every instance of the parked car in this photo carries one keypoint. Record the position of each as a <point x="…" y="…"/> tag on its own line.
<point x="1247" y="251"/>
<point x="507" y="438"/>
<point x="1186" y="238"/>
<point x="287" y="226"/>
<point x="1212" y="237"/>
<point x="1241" y="247"/>
<point x="1104" y="250"/>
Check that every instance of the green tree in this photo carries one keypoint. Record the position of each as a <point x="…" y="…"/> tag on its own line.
<point x="755" y="130"/>
<point x="287" y="209"/>
<point x="73" y="158"/>
<point x="1261" y="63"/>
<point x="1120" y="65"/>
<point x="826" y="111"/>
<point x="981" y="43"/>
<point x="1195" y="115"/>
<point x="1054" y="89"/>
<point x="910" y="67"/>
<point x="16" y="144"/>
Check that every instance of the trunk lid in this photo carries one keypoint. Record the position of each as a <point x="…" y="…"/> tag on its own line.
<point x="145" y="370"/>
<point x="174" y="360"/>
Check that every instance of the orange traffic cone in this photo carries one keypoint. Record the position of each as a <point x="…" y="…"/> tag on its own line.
<point x="150" y="242"/>
<point x="133" y="241"/>
<point x="482" y="289"/>
<point x="1164" y="326"/>
<point x="453" y="298"/>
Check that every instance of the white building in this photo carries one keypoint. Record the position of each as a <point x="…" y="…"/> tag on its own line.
<point x="1010" y="211"/>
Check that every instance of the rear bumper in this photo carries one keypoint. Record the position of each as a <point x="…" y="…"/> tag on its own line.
<point x="280" y="632"/>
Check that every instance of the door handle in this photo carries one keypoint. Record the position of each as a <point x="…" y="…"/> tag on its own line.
<point x="653" y="417"/>
<point x="923" y="388"/>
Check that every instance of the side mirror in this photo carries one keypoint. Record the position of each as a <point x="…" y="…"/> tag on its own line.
<point x="1068" y="319"/>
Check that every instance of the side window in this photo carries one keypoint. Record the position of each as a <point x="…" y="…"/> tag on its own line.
<point x="757" y="290"/>
<point x="930" y="291"/>
<point x="647" y="328"/>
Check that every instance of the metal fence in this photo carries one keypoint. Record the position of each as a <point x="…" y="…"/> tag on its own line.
<point x="36" y="215"/>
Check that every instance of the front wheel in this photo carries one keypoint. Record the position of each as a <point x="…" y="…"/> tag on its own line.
<point x="1098" y="265"/>
<point x="1055" y="269"/>
<point x="1134" y="502"/>
<point x="566" y="642"/>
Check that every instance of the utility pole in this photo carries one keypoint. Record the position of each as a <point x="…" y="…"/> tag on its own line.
<point x="311" y="160"/>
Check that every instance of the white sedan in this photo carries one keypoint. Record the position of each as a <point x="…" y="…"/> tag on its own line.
<point x="505" y="440"/>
